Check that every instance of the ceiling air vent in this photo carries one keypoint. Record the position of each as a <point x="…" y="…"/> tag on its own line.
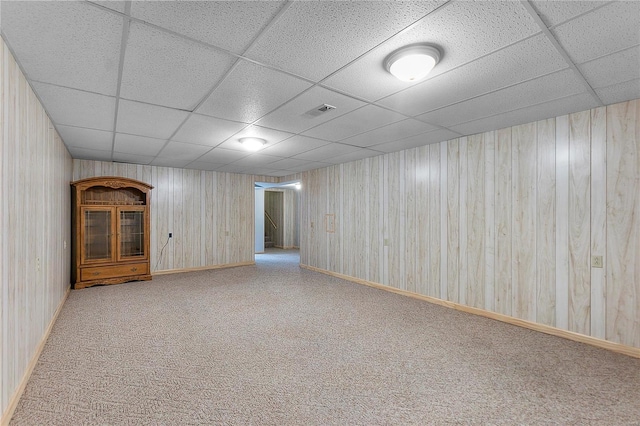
<point x="319" y="110"/>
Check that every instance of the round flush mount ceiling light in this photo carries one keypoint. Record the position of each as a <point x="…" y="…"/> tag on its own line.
<point x="252" y="144"/>
<point x="412" y="63"/>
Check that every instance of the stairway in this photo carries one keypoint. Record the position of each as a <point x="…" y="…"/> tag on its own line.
<point x="267" y="241"/>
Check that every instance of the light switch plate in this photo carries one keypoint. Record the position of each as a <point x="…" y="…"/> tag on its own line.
<point x="596" y="262"/>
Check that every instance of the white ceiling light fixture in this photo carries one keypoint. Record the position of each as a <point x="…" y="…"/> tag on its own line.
<point x="413" y="62"/>
<point x="252" y="144"/>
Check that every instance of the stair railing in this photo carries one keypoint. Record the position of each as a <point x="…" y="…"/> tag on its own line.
<point x="270" y="220"/>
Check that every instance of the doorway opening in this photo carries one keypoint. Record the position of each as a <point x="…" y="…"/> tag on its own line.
<point x="277" y="218"/>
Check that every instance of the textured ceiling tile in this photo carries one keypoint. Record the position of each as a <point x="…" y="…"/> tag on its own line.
<point x="270" y="135"/>
<point x="167" y="70"/>
<point x="231" y="168"/>
<point x="138" y="145"/>
<point x="76" y="107"/>
<point x="359" y="121"/>
<point x="520" y="62"/>
<point x="543" y="89"/>
<point x="399" y="130"/>
<point x="294" y="145"/>
<point x="224" y="156"/>
<point x="132" y="158"/>
<point x="557" y="12"/>
<point x="353" y="156"/>
<point x="311" y="165"/>
<point x="202" y="165"/>
<point x="416" y="141"/>
<point x="620" y="92"/>
<point x="326" y="151"/>
<point x="529" y="114"/>
<point x="148" y="120"/>
<point x="205" y="130"/>
<point x="250" y="92"/>
<point x="288" y="163"/>
<point x="111" y="4"/>
<point x="463" y="31"/>
<point x="625" y="63"/>
<point x="231" y="25"/>
<point x="170" y="162"/>
<point x="86" y="138"/>
<point x="89" y="154"/>
<point x="294" y="116"/>
<point x="313" y="38"/>
<point x="71" y="44"/>
<point x="256" y="160"/>
<point x="183" y="151"/>
<point x="608" y="29"/>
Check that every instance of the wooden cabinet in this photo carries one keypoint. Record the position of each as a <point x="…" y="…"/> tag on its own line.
<point x="110" y="223"/>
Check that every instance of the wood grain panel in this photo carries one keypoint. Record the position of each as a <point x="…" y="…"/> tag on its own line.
<point x="623" y="223"/>
<point x="546" y="223"/>
<point x="463" y="261"/>
<point x="421" y="237"/>
<point x="579" y="222"/>
<point x="475" y="272"/>
<point x="562" y="222"/>
<point x="396" y="216"/>
<point x="598" y="215"/>
<point x="453" y="220"/>
<point x="435" y="222"/>
<point x="410" y="229"/>
<point x="504" y="232"/>
<point x="490" y="222"/>
<point x="524" y="221"/>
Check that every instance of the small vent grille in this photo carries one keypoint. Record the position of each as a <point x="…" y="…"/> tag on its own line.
<point x="319" y="110"/>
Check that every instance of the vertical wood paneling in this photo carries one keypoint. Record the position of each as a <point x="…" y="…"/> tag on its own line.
<point x="545" y="220"/>
<point x="490" y="223"/>
<point x="562" y="222"/>
<point x="623" y="223"/>
<point x="598" y="215"/>
<point x="396" y="216"/>
<point x="444" y="221"/>
<point x="434" y="246"/>
<point x="410" y="229"/>
<point x="504" y="230"/>
<point x="579" y="222"/>
<point x="523" y="221"/>
<point x="475" y="272"/>
<point x="463" y="261"/>
<point x="35" y="171"/>
<point x="453" y="220"/>
<point x="422" y="236"/>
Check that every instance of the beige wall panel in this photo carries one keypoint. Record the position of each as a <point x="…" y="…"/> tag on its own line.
<point x="623" y="223"/>
<point x="395" y="218"/>
<point x="562" y="222"/>
<point x="475" y="222"/>
<point x="421" y="237"/>
<point x="504" y="232"/>
<point x="334" y="200"/>
<point x="453" y="220"/>
<point x="524" y="221"/>
<point x="374" y="208"/>
<point x="410" y="230"/>
<point x="490" y="223"/>
<point x="435" y="221"/>
<point x="598" y="215"/>
<point x="579" y="222"/>
<point x="34" y="264"/>
<point x="545" y="220"/>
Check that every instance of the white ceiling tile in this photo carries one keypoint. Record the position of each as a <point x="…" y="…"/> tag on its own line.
<point x="148" y="120"/>
<point x="522" y="61"/>
<point x="312" y="38"/>
<point x="279" y="173"/>
<point x="311" y="165"/>
<point x="353" y="156"/>
<point x="270" y="135"/>
<point x="223" y="156"/>
<point x="138" y="145"/>
<point x="112" y="4"/>
<point x="86" y="138"/>
<point x="231" y="25"/>
<point x="620" y="92"/>
<point x="418" y="140"/>
<point x="543" y="89"/>
<point x="294" y="116"/>
<point x="183" y="151"/>
<point x="612" y="69"/>
<point x="605" y="30"/>
<point x="262" y="171"/>
<point x="557" y="12"/>
<point x="89" y="154"/>
<point x="256" y="160"/>
<point x="326" y="151"/>
<point x="359" y="121"/>
<point x="164" y="69"/>
<point x="557" y="107"/>
<point x="294" y="145"/>
<point x="231" y="168"/>
<point x="132" y="158"/>
<point x="288" y="163"/>
<point x="76" y="107"/>
<point x="251" y="91"/>
<point x="203" y="165"/>
<point x="399" y="130"/>
<point x="463" y="31"/>
<point x="71" y="44"/>
<point x="205" y="130"/>
<point x="170" y="162"/>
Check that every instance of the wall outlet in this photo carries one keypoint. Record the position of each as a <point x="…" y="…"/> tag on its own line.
<point x="596" y="262"/>
<point x="170" y="234"/>
<point x="38" y="263"/>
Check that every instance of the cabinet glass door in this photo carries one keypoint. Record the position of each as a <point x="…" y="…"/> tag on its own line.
<point x="132" y="232"/>
<point x="98" y="235"/>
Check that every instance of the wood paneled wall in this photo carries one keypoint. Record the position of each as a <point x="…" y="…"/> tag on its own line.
<point x="35" y="170"/>
<point x="505" y="221"/>
<point x="210" y="214"/>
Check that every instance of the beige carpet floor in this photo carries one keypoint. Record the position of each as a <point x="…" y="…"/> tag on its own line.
<point x="274" y="344"/>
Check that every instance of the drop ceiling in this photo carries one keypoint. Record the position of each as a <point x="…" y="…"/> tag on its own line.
<point x="178" y="83"/>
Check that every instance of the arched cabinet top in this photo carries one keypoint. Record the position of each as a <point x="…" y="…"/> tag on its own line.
<point x="114" y="182"/>
<point x="110" y="190"/>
